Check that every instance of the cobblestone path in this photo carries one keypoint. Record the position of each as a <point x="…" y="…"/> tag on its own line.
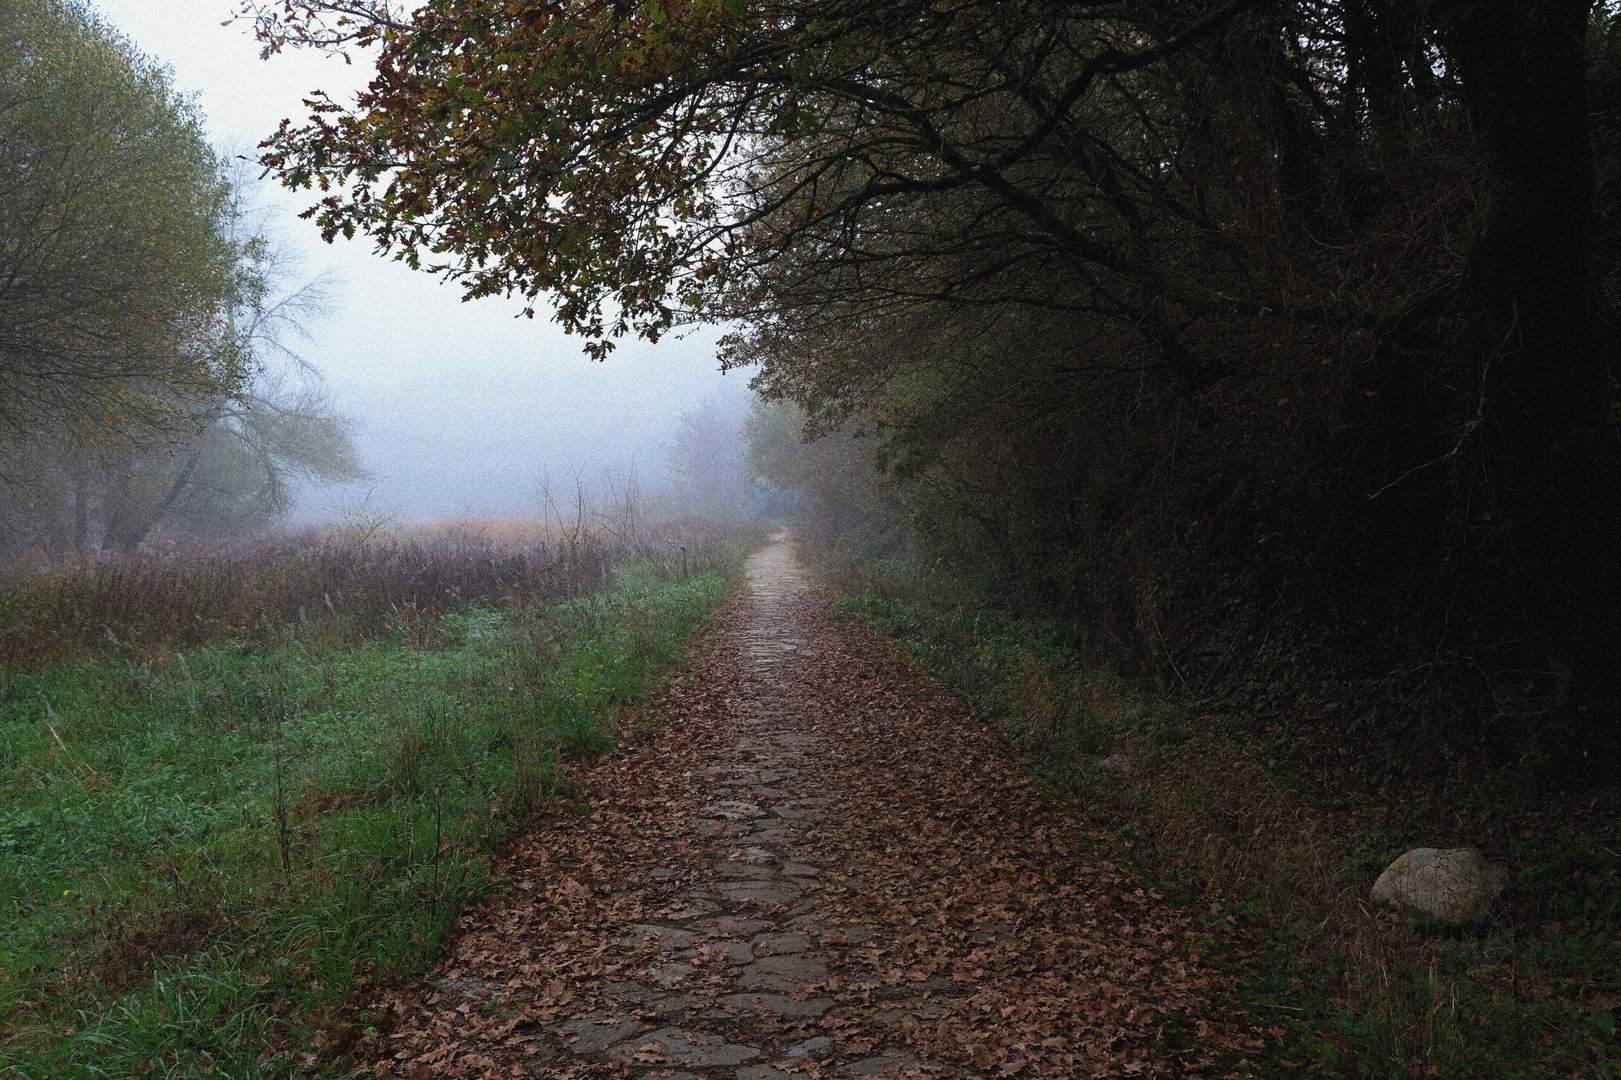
<point x="820" y="865"/>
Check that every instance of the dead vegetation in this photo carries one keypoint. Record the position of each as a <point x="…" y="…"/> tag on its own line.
<point x="369" y="580"/>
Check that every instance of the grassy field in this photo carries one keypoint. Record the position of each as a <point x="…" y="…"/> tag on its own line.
<point x="209" y="853"/>
<point x="1270" y="825"/>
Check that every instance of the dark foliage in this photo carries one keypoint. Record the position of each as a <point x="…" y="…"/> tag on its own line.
<point x="1268" y="342"/>
<point x="1374" y="461"/>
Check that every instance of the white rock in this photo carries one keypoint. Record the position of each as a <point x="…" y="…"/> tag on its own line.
<point x="1457" y="885"/>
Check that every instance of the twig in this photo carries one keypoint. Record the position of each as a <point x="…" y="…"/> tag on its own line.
<point x="72" y="759"/>
<point x="1168" y="657"/>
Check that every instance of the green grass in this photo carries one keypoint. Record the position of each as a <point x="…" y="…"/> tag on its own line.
<point x="1276" y="823"/>
<point x="207" y="858"/>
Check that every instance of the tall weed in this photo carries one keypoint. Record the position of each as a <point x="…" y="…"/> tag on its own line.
<point x="325" y="588"/>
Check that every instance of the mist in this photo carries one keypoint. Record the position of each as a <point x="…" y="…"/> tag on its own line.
<point x="458" y="409"/>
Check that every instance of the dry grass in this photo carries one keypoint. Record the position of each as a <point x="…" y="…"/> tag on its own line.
<point x="357" y="583"/>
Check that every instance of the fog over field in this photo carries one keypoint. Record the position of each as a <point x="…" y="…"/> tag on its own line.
<point x="459" y="408"/>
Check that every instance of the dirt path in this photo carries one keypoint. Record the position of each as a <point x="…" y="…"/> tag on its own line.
<point x="822" y="866"/>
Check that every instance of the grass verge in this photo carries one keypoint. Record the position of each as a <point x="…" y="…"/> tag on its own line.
<point x="1271" y="826"/>
<point x="207" y="857"/>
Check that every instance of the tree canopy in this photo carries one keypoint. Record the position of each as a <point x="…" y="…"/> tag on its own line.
<point x="114" y="273"/>
<point x="647" y="163"/>
<point x="144" y="325"/>
<point x="1193" y="313"/>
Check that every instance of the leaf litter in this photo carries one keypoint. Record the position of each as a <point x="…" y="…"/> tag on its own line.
<point x="819" y="865"/>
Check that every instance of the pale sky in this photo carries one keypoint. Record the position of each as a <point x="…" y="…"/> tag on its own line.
<point x="460" y="406"/>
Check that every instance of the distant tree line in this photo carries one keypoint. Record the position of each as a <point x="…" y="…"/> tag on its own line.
<point x="144" y="377"/>
<point x="1259" y="340"/>
<point x="710" y="471"/>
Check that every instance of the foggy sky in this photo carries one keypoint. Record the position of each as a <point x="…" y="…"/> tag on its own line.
<point x="460" y="406"/>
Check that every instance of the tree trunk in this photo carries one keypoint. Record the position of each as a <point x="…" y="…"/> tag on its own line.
<point x="1551" y="484"/>
<point x="81" y="513"/>
<point x="1373" y="55"/>
<point x="128" y="531"/>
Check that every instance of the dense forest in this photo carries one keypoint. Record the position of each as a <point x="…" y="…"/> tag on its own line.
<point x="1255" y="340"/>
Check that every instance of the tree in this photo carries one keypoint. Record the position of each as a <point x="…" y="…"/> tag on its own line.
<point x="146" y="368"/>
<point x="233" y="476"/>
<point x="708" y="462"/>
<point x="1271" y="282"/>
<point x="114" y="274"/>
<point x="850" y="503"/>
<point x="655" y="158"/>
<point x="233" y="469"/>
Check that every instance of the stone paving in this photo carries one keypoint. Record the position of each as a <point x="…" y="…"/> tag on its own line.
<point x="725" y="975"/>
<point x="820" y="866"/>
<point x="758" y="915"/>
